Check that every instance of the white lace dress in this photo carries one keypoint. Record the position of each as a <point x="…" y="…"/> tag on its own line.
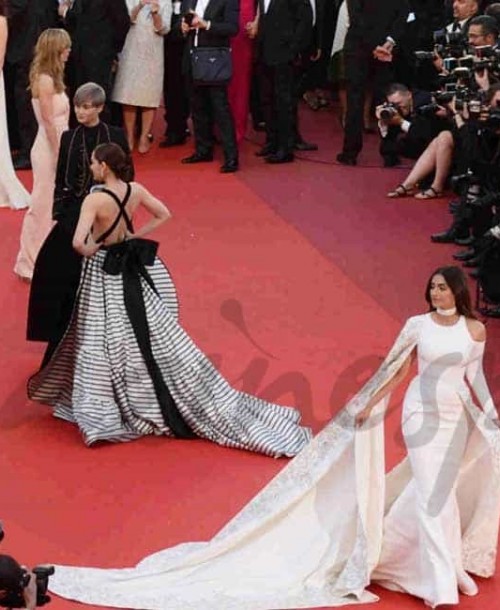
<point x="331" y="522"/>
<point x="139" y="78"/>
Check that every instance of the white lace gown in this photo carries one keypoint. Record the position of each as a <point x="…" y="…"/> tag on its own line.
<point x="12" y="192"/>
<point x="331" y="522"/>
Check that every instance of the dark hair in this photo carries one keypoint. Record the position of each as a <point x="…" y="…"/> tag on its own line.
<point x="11" y="574"/>
<point x="489" y="25"/>
<point x="3" y="8"/>
<point x="490" y="94"/>
<point x="115" y="158"/>
<point x="456" y="280"/>
<point x="396" y="88"/>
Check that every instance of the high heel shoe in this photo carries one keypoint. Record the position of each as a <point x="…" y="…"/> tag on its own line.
<point x="467" y="586"/>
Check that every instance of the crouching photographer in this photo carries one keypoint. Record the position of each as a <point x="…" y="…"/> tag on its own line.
<point x="20" y="587"/>
<point x="404" y="130"/>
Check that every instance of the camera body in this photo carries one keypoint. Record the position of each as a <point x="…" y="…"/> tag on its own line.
<point x="388" y="111"/>
<point x="188" y="18"/>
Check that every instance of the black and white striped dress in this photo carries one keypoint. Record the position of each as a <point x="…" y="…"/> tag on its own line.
<point x="120" y="374"/>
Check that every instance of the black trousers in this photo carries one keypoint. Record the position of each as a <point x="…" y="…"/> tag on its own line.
<point x="362" y="71"/>
<point x="175" y="92"/>
<point x="210" y="106"/>
<point x="276" y="90"/>
<point x="20" y="116"/>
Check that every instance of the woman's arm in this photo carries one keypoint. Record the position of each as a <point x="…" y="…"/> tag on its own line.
<point x="3" y="40"/>
<point x="474" y="371"/>
<point x="83" y="241"/>
<point x="155" y="207"/>
<point x="45" y="90"/>
<point x="389" y="387"/>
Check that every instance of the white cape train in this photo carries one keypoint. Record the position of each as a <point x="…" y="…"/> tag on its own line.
<point x="313" y="536"/>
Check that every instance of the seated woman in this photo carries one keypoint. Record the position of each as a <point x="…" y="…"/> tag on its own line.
<point x="437" y="158"/>
<point x="125" y="367"/>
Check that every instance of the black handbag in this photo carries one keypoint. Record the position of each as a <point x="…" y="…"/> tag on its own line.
<point x="211" y="65"/>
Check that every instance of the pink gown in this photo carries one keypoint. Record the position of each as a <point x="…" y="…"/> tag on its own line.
<point x="37" y="221"/>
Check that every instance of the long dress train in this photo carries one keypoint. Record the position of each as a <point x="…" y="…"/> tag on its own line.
<point x="38" y="221"/>
<point x="125" y="368"/>
<point x="12" y="192"/>
<point x="331" y="522"/>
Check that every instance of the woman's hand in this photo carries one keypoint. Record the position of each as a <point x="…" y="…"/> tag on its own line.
<point x="252" y="28"/>
<point x="362" y="416"/>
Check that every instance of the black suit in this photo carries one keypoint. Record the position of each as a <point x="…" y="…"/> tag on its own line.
<point x="371" y="22"/>
<point x="175" y="94"/>
<point x="26" y="20"/>
<point x="284" y="33"/>
<point x="210" y="104"/>
<point x="57" y="268"/>
<point x="98" y="29"/>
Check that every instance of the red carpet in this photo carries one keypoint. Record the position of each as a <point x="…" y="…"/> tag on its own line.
<point x="295" y="279"/>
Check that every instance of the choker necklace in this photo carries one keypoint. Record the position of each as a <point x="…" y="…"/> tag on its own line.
<point x="446" y="312"/>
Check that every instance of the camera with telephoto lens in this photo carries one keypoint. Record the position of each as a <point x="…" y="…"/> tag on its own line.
<point x="388" y="111"/>
<point x="14" y="579"/>
<point x="461" y="183"/>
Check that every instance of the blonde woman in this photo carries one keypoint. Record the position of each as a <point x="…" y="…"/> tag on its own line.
<point x="12" y="192"/>
<point x="51" y="107"/>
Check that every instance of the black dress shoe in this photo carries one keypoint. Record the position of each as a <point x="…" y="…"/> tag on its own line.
<point x="265" y="151"/>
<point x="346" y="159"/>
<point x="303" y="145"/>
<point x="472" y="262"/>
<point x="464" y="240"/>
<point x="230" y="167"/>
<point x="197" y="158"/>
<point x="21" y="162"/>
<point x="465" y="255"/>
<point x="172" y="141"/>
<point x="391" y="160"/>
<point x="448" y="237"/>
<point x="454" y="205"/>
<point x="279" y="157"/>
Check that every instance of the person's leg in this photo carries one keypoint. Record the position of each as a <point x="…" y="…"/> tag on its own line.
<point x="444" y="155"/>
<point x="129" y="114"/>
<point x="283" y="100"/>
<point x="25" y="115"/>
<point x="425" y="164"/>
<point x="267" y="105"/>
<point x="223" y="118"/>
<point x="203" y="122"/>
<point x="148" y="115"/>
<point x="356" y="62"/>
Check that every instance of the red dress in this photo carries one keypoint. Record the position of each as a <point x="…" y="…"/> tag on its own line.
<point x="239" y="89"/>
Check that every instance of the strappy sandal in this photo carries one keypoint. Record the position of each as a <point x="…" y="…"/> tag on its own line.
<point x="429" y="193"/>
<point x="401" y="191"/>
<point x="311" y="100"/>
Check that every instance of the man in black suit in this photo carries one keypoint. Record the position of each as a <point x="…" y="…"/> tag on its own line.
<point x="57" y="268"/>
<point x="213" y="24"/>
<point x="283" y="31"/>
<point x="26" y="20"/>
<point x="98" y="29"/>
<point x="175" y="94"/>
<point x="375" y="28"/>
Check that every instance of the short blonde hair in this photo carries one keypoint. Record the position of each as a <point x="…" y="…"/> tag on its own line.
<point x="47" y="58"/>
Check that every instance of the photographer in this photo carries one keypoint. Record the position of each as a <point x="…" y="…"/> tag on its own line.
<point x="18" y="587"/>
<point x="477" y="182"/>
<point x="404" y="131"/>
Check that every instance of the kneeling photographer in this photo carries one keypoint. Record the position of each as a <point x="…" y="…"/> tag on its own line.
<point x="404" y="130"/>
<point x="21" y="587"/>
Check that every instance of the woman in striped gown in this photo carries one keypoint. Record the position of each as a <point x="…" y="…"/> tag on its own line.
<point x="125" y="367"/>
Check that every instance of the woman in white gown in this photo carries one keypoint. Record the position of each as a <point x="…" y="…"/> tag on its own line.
<point x="12" y="192"/>
<point x="331" y="522"/>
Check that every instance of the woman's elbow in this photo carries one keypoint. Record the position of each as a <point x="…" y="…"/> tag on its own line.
<point x="79" y="245"/>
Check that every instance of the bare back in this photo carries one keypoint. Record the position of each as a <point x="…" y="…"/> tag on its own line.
<point x="107" y="210"/>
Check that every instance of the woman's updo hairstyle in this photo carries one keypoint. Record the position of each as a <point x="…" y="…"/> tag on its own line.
<point x="115" y="158"/>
